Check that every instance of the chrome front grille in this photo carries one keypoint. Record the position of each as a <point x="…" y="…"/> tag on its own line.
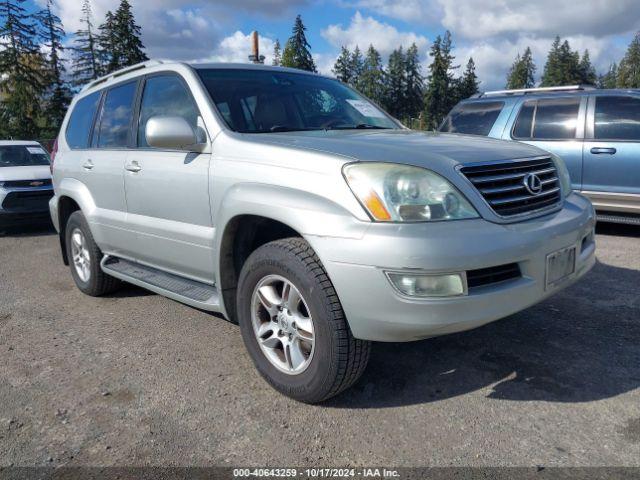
<point x="517" y="187"/>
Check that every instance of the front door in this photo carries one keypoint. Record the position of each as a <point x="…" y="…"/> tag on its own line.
<point x="612" y="152"/>
<point x="168" y="191"/>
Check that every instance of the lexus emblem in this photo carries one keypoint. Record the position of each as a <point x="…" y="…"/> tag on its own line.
<point x="532" y="183"/>
<point x="36" y="183"/>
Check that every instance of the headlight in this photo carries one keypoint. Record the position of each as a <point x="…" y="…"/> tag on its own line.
<point x="400" y="193"/>
<point x="563" y="175"/>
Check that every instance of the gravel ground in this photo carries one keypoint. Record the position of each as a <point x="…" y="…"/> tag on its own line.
<point x="137" y="379"/>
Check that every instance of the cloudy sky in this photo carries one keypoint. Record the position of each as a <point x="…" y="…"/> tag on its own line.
<point x="491" y="31"/>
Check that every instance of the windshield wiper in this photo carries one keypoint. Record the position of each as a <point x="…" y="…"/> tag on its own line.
<point x="360" y="126"/>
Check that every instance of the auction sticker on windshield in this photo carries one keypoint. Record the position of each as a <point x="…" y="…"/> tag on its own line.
<point x="366" y="109"/>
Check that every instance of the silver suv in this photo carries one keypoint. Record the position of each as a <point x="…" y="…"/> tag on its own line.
<point x="299" y="209"/>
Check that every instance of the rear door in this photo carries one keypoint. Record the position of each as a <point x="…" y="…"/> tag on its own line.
<point x="612" y="151"/>
<point x="100" y="166"/>
<point x="555" y="124"/>
<point x="167" y="190"/>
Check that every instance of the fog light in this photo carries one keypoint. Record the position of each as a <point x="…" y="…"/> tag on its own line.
<point x="426" y="285"/>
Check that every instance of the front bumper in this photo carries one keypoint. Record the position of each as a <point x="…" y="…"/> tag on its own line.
<point x="375" y="310"/>
<point x="24" y="206"/>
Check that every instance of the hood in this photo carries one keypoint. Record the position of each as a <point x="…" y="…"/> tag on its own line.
<point x="423" y="149"/>
<point x="32" y="172"/>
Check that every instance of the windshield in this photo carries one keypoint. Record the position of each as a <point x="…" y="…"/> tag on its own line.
<point x="22" y="156"/>
<point x="262" y="101"/>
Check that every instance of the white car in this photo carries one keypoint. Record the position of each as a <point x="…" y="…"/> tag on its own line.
<point x="25" y="183"/>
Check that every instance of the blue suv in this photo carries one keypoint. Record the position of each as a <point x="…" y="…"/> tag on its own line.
<point x="596" y="132"/>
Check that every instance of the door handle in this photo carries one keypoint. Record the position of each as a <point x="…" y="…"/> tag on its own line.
<point x="133" y="167"/>
<point x="603" y="151"/>
<point x="88" y="165"/>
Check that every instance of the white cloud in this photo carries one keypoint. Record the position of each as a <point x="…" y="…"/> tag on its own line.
<point x="363" y="31"/>
<point x="414" y="11"/>
<point x="481" y="18"/>
<point x="237" y="47"/>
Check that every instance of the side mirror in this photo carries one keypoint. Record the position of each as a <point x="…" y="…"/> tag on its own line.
<point x="172" y="133"/>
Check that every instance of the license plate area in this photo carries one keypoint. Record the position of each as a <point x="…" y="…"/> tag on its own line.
<point x="561" y="265"/>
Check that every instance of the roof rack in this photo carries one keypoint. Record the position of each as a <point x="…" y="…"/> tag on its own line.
<point x="122" y="71"/>
<point x="527" y="91"/>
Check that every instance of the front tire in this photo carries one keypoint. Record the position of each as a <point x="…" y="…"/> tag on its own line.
<point x="293" y="325"/>
<point x="84" y="258"/>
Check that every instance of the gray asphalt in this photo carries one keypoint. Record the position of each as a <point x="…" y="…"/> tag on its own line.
<point x="137" y="379"/>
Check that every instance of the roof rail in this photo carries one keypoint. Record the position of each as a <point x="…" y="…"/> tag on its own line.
<point x="526" y="91"/>
<point x="122" y="71"/>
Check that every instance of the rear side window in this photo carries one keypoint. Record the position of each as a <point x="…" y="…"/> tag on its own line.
<point x="165" y="96"/>
<point x="548" y="119"/>
<point x="472" y="118"/>
<point x="617" y="118"/>
<point x="81" y="121"/>
<point x="115" y="122"/>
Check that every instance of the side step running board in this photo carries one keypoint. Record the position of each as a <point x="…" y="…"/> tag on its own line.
<point x="196" y="294"/>
<point x="626" y="219"/>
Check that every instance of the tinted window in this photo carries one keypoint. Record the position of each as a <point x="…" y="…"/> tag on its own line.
<point x="548" y="119"/>
<point x="115" y="121"/>
<point x="22" y="156"/>
<point x="165" y="96"/>
<point x="472" y="118"/>
<point x="81" y="121"/>
<point x="262" y="101"/>
<point x="617" y="118"/>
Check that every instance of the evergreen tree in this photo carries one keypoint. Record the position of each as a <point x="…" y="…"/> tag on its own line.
<point x="86" y="57"/>
<point x="396" y="85"/>
<point x="297" y="52"/>
<point x="609" y="79"/>
<point x="22" y="67"/>
<point x="372" y="80"/>
<point x="440" y="89"/>
<point x="522" y="72"/>
<point x="128" y="33"/>
<point x="563" y="65"/>
<point x="356" y="66"/>
<point x="342" y="67"/>
<point x="109" y="51"/>
<point x="414" y="90"/>
<point x="58" y="92"/>
<point x="120" y="41"/>
<point x="277" y="54"/>
<point x="586" y="70"/>
<point x="468" y="84"/>
<point x="629" y="67"/>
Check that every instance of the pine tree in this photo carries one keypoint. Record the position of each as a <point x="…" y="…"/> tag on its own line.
<point x="468" y="83"/>
<point x="86" y="57"/>
<point x="414" y="90"/>
<point x="109" y="51"/>
<point x="277" y="54"/>
<point x="356" y="65"/>
<point x="629" y="68"/>
<point x="586" y="70"/>
<point x="22" y="67"/>
<point x="297" y="52"/>
<point x="396" y="85"/>
<point x="563" y="65"/>
<point x="609" y="79"/>
<point x="128" y="33"/>
<point x="440" y="89"/>
<point x="372" y="80"/>
<point x="58" y="92"/>
<point x="342" y="67"/>
<point x="522" y="72"/>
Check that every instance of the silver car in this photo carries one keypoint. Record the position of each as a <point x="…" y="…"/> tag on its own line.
<point x="301" y="210"/>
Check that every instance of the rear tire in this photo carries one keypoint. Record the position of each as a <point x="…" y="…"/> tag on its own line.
<point x="329" y="358"/>
<point x="84" y="258"/>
